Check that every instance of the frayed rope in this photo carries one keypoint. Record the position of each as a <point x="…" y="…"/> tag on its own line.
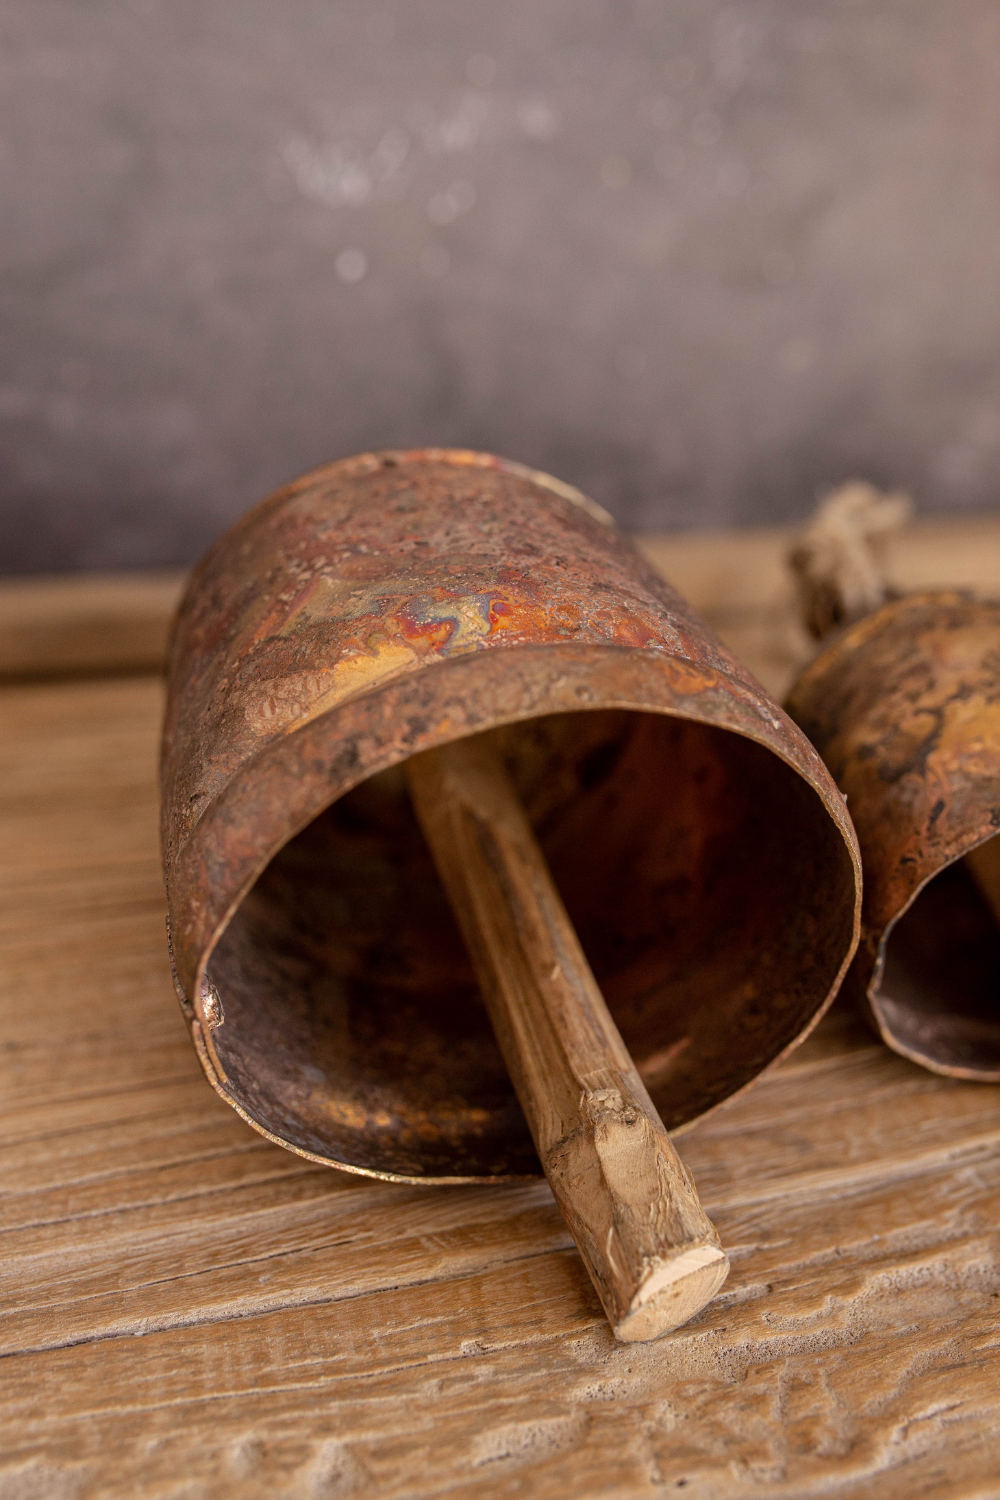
<point x="839" y="559"/>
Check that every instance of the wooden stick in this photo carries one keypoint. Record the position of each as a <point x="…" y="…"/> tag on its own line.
<point x="983" y="863"/>
<point x="627" y="1198"/>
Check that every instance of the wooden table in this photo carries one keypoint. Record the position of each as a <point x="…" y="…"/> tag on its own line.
<point x="189" y="1311"/>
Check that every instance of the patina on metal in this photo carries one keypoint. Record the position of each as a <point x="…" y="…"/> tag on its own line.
<point x="392" y="603"/>
<point x="904" y="707"/>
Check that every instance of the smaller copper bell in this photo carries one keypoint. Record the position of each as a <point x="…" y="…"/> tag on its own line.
<point x="351" y="660"/>
<point x="904" y="707"/>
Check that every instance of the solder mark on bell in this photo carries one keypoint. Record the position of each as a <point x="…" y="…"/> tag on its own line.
<point x="210" y="1006"/>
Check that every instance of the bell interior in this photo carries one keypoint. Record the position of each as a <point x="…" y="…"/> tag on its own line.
<point x="939" y="992"/>
<point x="713" y="896"/>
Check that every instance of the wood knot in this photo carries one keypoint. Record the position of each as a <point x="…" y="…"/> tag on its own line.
<point x="604" y="1104"/>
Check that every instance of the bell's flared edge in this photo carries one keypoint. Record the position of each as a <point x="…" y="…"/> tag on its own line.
<point x="395" y="602"/>
<point x="904" y="707"/>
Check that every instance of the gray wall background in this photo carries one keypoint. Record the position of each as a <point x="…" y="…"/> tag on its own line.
<point x="699" y="258"/>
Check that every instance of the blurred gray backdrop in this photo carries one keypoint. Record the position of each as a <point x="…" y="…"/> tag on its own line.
<point x="701" y="259"/>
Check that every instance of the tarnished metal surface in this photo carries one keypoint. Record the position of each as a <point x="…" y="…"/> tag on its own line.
<point x="394" y="602"/>
<point x="905" y="710"/>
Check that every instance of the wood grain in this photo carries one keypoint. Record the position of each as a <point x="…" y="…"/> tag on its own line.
<point x="191" y="1312"/>
<point x="86" y="623"/>
<point x="631" y="1206"/>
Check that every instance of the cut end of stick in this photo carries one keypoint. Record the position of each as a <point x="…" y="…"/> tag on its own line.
<point x="672" y="1293"/>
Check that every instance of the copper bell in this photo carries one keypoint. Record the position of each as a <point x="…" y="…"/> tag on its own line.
<point x="904" y="707"/>
<point x="397" y="602"/>
<point x="903" y="703"/>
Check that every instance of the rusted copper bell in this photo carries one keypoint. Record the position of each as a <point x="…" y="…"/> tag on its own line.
<point x="392" y="603"/>
<point x="904" y="707"/>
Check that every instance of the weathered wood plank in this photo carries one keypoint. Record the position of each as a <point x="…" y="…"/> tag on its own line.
<point x="189" y="1311"/>
<point x="86" y="623"/>
<point x="509" y="1382"/>
<point x="208" y="1260"/>
<point x="790" y="1149"/>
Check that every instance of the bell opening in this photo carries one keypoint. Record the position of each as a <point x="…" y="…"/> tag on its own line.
<point x="711" y="890"/>
<point x="939" y="993"/>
